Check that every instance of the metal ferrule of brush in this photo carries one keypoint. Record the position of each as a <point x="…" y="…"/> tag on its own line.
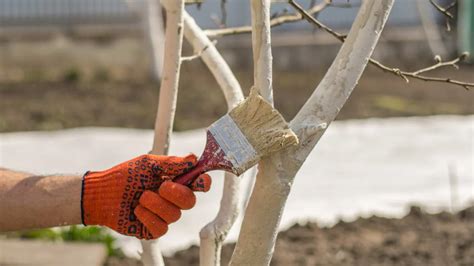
<point x="239" y="139"/>
<point x="234" y="144"/>
<point x="227" y="149"/>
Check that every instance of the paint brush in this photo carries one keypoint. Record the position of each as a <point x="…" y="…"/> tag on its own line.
<point x="239" y="139"/>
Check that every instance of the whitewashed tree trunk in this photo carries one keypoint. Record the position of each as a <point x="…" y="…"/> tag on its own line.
<point x="276" y="173"/>
<point x="154" y="33"/>
<point x="169" y="83"/>
<point x="151" y="254"/>
<point x="167" y="102"/>
<point x="262" y="48"/>
<point x="214" y="233"/>
<point x="214" y="61"/>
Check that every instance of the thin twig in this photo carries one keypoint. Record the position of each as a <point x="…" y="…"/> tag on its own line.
<point x="441" y="9"/>
<point x="403" y="74"/>
<point x="276" y="21"/>
<point x="190" y="58"/>
<point x="222" y="20"/>
<point x="445" y="12"/>
<point x="452" y="5"/>
<point x="308" y="16"/>
<point x="194" y="56"/>
<point x="440" y="64"/>
<point x="415" y="74"/>
<point x="223" y="13"/>
<point x="193" y="2"/>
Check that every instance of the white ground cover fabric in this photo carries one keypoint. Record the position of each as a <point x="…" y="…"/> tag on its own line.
<point x="359" y="168"/>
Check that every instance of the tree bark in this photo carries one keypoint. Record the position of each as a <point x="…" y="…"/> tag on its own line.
<point x="214" y="61"/>
<point x="214" y="233"/>
<point x="154" y="33"/>
<point x="169" y="84"/>
<point x="167" y="102"/>
<point x="262" y="48"/>
<point x="276" y="173"/>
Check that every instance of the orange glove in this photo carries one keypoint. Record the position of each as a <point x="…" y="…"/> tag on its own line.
<point x="137" y="197"/>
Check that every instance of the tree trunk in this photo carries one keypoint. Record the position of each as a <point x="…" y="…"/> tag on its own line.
<point x="154" y="33"/>
<point x="167" y="101"/>
<point x="214" y="233"/>
<point x="277" y="172"/>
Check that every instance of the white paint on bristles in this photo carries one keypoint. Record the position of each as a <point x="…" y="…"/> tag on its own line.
<point x="235" y="145"/>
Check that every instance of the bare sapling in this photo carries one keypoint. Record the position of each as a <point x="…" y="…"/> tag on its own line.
<point x="276" y="173"/>
<point x="167" y="101"/>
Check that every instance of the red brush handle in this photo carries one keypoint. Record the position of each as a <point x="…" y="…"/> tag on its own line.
<point x="213" y="158"/>
<point x="189" y="177"/>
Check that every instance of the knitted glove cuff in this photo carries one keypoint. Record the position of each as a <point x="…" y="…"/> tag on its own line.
<point x="82" y="197"/>
<point x="101" y="195"/>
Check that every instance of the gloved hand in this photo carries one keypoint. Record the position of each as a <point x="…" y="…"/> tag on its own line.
<point x="137" y="197"/>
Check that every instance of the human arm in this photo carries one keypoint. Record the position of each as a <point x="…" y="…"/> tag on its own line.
<point x="34" y="201"/>
<point x="135" y="198"/>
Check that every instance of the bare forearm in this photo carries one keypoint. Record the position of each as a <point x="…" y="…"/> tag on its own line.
<point x="29" y="201"/>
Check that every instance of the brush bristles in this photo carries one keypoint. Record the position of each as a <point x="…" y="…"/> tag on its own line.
<point x="264" y="127"/>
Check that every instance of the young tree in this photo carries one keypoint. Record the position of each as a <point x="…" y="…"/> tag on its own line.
<point x="154" y="33"/>
<point x="167" y="100"/>
<point x="277" y="172"/>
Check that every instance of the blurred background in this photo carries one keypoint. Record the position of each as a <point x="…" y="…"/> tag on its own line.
<point x="87" y="64"/>
<point x="71" y="63"/>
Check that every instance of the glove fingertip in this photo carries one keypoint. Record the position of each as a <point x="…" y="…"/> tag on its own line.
<point x="154" y="224"/>
<point x="202" y="183"/>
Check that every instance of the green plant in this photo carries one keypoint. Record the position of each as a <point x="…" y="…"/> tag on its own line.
<point x="72" y="75"/>
<point x="75" y="233"/>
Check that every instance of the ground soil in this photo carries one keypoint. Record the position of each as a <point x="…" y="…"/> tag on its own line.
<point x="416" y="239"/>
<point x="47" y="105"/>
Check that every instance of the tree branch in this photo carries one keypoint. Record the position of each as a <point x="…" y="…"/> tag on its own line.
<point x="276" y="21"/>
<point x="416" y="74"/>
<point x="401" y="73"/>
<point x="167" y="101"/>
<point x="214" y="233"/>
<point x="440" y="64"/>
<point x="223" y="13"/>
<point x="262" y="48"/>
<point x="452" y="5"/>
<point x="169" y="85"/>
<point x="214" y="61"/>
<point x="154" y="32"/>
<point x="316" y="22"/>
<point x="277" y="172"/>
<point x="308" y="15"/>
<point x="194" y="56"/>
<point x="444" y="11"/>
<point x="262" y="60"/>
<point x="431" y="29"/>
